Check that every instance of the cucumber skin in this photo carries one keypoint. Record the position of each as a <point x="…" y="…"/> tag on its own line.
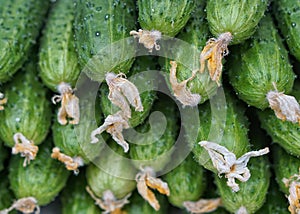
<point x="287" y="14"/>
<point x="20" y="23"/>
<point x="57" y="56"/>
<point x="186" y="182"/>
<point x="42" y="179"/>
<point x="240" y="18"/>
<point x="252" y="193"/>
<point x="168" y="16"/>
<point x="97" y="25"/>
<point x="258" y="64"/>
<point x="75" y="198"/>
<point x="28" y="110"/>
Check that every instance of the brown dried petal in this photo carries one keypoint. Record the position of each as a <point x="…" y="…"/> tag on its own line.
<point x="285" y="107"/>
<point x="202" y="206"/>
<point x="25" y="205"/>
<point x="180" y="89"/>
<point x="114" y="125"/>
<point x="25" y="147"/>
<point x="294" y="189"/>
<point x="212" y="55"/>
<point x="2" y="101"/>
<point x="147" y="38"/>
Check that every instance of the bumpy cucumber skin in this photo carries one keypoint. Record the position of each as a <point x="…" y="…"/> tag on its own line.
<point x="168" y="16"/>
<point x="20" y="23"/>
<point x="3" y="156"/>
<point x="97" y="25"/>
<point x="141" y="64"/>
<point x="240" y="18"/>
<point x="42" y="179"/>
<point x="118" y="175"/>
<point x="195" y="33"/>
<point x="75" y="198"/>
<point x="258" y="64"/>
<point x="138" y="205"/>
<point x="157" y="153"/>
<point x="234" y="138"/>
<point x="252" y="194"/>
<point x="74" y="140"/>
<point x="285" y="166"/>
<point x="287" y="13"/>
<point x="6" y="196"/>
<point x="186" y="182"/>
<point x="28" y="109"/>
<point x="57" y="56"/>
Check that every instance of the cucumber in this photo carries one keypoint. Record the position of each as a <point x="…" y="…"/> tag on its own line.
<point x="73" y="141"/>
<point x="75" y="199"/>
<point x="20" y="23"/>
<point x="110" y="179"/>
<point x="186" y="182"/>
<point x="27" y="116"/>
<point x="143" y="63"/>
<point x="42" y="180"/>
<point x="101" y="28"/>
<point x="252" y="194"/>
<point x="138" y="205"/>
<point x="287" y="15"/>
<point x="259" y="64"/>
<point x="58" y="63"/>
<point x="186" y="55"/>
<point x="240" y="18"/>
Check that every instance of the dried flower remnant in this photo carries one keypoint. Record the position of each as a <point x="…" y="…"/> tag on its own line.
<point x="242" y="210"/>
<point x="25" y="205"/>
<point x="285" y="107"/>
<point x="227" y="163"/>
<point x="109" y="203"/>
<point x="147" y="178"/>
<point x="147" y="38"/>
<point x="293" y="183"/>
<point x="70" y="163"/>
<point x="114" y="125"/>
<point x="180" y="89"/>
<point x="120" y="90"/>
<point x="69" y="104"/>
<point x="212" y="55"/>
<point x="25" y="147"/>
<point x="202" y="205"/>
<point x="2" y="101"/>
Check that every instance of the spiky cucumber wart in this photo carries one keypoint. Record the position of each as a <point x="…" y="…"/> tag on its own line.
<point x="189" y="86"/>
<point x="110" y="179"/>
<point x="72" y="142"/>
<point x="58" y="63"/>
<point x="39" y="183"/>
<point x="152" y="147"/>
<point x="101" y="28"/>
<point x="288" y="16"/>
<point x="262" y="75"/>
<point x="232" y="22"/>
<point x="20" y="24"/>
<point x="26" y="120"/>
<point x="159" y="18"/>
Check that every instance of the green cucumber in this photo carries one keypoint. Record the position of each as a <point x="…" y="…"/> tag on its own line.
<point x="28" y="111"/>
<point x="233" y="131"/>
<point x="138" y="205"/>
<point x="168" y="17"/>
<point x="101" y="28"/>
<point x="260" y="63"/>
<point x="43" y="179"/>
<point x="252" y="194"/>
<point x="75" y="199"/>
<point x="139" y="80"/>
<point x="195" y="33"/>
<point x="20" y="23"/>
<point x="240" y="18"/>
<point x="287" y="15"/>
<point x="186" y="182"/>
<point x="57" y="56"/>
